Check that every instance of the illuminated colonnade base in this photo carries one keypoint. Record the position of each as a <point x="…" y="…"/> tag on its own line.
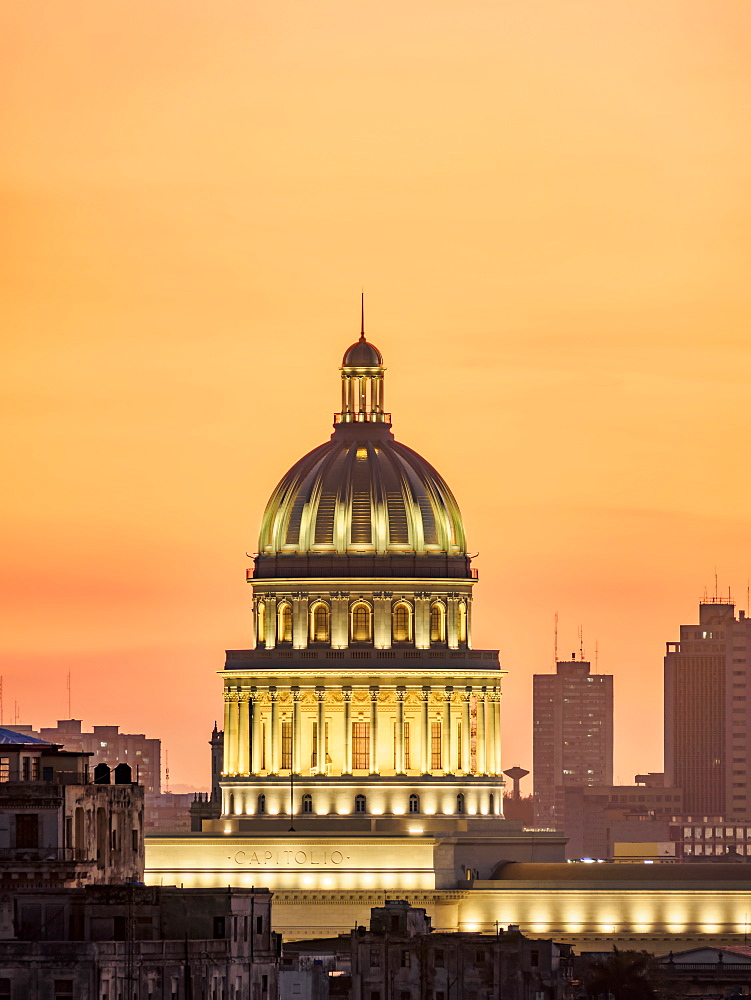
<point x="324" y="885"/>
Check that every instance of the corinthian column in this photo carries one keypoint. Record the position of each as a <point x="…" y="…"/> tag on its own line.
<point x="321" y="736"/>
<point x="399" y="762"/>
<point x="347" y="713"/>
<point x="492" y="738"/>
<point x="374" y="731"/>
<point x="296" y="730"/>
<point x="425" y="699"/>
<point x="256" y="731"/>
<point x="482" y="750"/>
<point x="466" y="761"/>
<point x="274" y="762"/>
<point x="230" y="734"/>
<point x="446" y="748"/>
<point x="242" y="733"/>
<point x="226" y="753"/>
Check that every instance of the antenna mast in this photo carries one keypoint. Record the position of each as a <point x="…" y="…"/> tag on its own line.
<point x="555" y="638"/>
<point x="166" y="770"/>
<point x="69" y="711"/>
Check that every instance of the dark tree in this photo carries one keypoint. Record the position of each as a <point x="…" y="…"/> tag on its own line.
<point x="626" y="975"/>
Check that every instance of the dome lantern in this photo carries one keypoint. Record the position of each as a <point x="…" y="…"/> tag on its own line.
<point x="362" y="382"/>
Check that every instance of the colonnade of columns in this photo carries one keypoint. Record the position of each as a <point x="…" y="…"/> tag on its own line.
<point x="253" y="730"/>
<point x="381" y="605"/>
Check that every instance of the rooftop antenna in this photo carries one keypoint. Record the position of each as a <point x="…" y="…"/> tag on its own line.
<point x="70" y="716"/>
<point x="748" y="613"/>
<point x="597" y="656"/>
<point x="555" y="638"/>
<point x="715" y="584"/>
<point x="166" y="770"/>
<point x="362" y="315"/>
<point x="1" y="701"/>
<point x="581" y="643"/>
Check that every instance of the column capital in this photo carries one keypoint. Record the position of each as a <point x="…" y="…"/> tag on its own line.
<point x="401" y="693"/>
<point x="425" y="693"/>
<point x="321" y="693"/>
<point x="347" y="694"/>
<point x="296" y="693"/>
<point x="374" y="692"/>
<point x="273" y="693"/>
<point x="449" y="691"/>
<point x="466" y="694"/>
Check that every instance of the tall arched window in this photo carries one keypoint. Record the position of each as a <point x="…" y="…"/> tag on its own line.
<point x="462" y="622"/>
<point x="414" y="803"/>
<point x="261" y="805"/>
<point x="401" y="622"/>
<point x="307" y="803"/>
<point x="285" y="622"/>
<point x="261" y="622"/>
<point x="232" y="804"/>
<point x="460" y="802"/>
<point x="320" y="623"/>
<point x="360" y="803"/>
<point x="492" y="804"/>
<point x="437" y="622"/>
<point x="362" y="622"/>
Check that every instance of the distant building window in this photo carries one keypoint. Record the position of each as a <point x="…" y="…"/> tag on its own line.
<point x="4" y="988"/>
<point x="406" y="959"/>
<point x="435" y="746"/>
<point x="286" y="746"/>
<point x="438" y="959"/>
<point x="361" y="627"/>
<point x="360" y="804"/>
<point x="375" y="958"/>
<point x="402" y="622"/>
<point x="285" y="623"/>
<point x="437" y="622"/>
<point x="63" y="988"/>
<point x="4" y="769"/>
<point x="219" y="927"/>
<point x="414" y="803"/>
<point x="320" y="623"/>
<point x="307" y="803"/>
<point x="360" y="746"/>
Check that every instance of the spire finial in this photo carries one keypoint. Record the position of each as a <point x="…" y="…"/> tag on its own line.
<point x="362" y="315"/>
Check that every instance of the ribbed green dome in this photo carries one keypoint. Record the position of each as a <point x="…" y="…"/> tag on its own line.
<point x="362" y="492"/>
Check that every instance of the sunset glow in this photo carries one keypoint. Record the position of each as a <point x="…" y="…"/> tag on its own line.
<point x="548" y="208"/>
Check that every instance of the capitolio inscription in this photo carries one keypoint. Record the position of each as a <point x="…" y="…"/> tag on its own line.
<point x="315" y="857"/>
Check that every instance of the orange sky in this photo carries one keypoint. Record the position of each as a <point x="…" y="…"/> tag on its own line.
<point x="548" y="205"/>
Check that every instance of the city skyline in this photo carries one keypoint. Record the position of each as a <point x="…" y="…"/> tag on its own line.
<point x="549" y="216"/>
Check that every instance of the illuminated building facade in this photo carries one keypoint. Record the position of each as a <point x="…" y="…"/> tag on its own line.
<point x="361" y="750"/>
<point x="708" y="713"/>
<point x="363" y="686"/>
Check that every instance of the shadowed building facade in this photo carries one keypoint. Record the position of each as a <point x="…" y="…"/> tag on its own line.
<point x="708" y="713"/>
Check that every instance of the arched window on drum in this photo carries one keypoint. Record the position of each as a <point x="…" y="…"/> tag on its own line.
<point x="361" y="623"/>
<point x="462" y="623"/>
<point x="284" y="623"/>
<point x="401" y="622"/>
<point x="437" y="622"/>
<point x="261" y="623"/>
<point x="320" y="622"/>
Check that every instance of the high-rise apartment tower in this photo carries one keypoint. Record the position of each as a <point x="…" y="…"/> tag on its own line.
<point x="573" y="735"/>
<point x="708" y="713"/>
